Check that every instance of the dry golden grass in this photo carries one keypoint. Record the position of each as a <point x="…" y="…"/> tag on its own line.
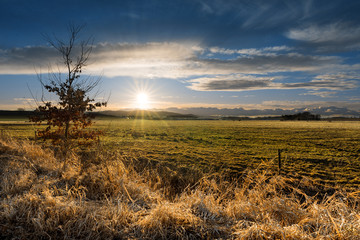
<point x="106" y="195"/>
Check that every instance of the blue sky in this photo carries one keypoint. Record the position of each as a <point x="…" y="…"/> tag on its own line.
<point x="258" y="54"/>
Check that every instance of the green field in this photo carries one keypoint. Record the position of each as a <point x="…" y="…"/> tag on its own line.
<point x="184" y="180"/>
<point x="327" y="152"/>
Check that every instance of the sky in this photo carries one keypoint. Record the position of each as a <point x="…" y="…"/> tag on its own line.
<point x="266" y="55"/>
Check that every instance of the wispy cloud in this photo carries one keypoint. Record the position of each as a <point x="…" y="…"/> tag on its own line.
<point x="262" y="64"/>
<point x="23" y="99"/>
<point x="143" y="60"/>
<point x="336" y="32"/>
<point x="323" y="94"/>
<point x="125" y="59"/>
<point x="25" y="60"/>
<point x="236" y="82"/>
<point x="167" y="60"/>
<point x="250" y="82"/>
<point x="252" y="51"/>
<point x="206" y="7"/>
<point x="259" y="13"/>
<point x="251" y="69"/>
<point x="336" y="84"/>
<point x="336" y="36"/>
<point x="24" y="103"/>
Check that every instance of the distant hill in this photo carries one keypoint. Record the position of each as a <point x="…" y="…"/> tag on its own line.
<point x="134" y="114"/>
<point x="326" y="112"/>
<point x="206" y="113"/>
<point x="146" y="114"/>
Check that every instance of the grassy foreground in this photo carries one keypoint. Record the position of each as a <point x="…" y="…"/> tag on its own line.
<point x="107" y="194"/>
<point x="327" y="152"/>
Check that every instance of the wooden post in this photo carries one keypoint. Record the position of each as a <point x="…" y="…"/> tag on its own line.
<point x="35" y="138"/>
<point x="98" y="145"/>
<point x="2" y="133"/>
<point x="279" y="156"/>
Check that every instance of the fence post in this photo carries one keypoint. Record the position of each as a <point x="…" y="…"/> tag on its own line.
<point x="279" y="158"/>
<point x="98" y="144"/>
<point x="35" y="138"/>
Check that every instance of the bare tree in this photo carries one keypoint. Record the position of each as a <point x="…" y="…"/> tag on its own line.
<point x="68" y="119"/>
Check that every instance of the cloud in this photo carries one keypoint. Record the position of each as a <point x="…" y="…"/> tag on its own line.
<point x="231" y="83"/>
<point x="337" y="84"/>
<point x="234" y="85"/>
<point x="206" y="8"/>
<point x="174" y="60"/>
<point x="253" y="69"/>
<point x="17" y="103"/>
<point x="125" y="59"/>
<point x="154" y="50"/>
<point x="25" y="60"/>
<point x="336" y="36"/>
<point x="166" y="60"/>
<point x="338" y="76"/>
<point x="267" y="51"/>
<point x="251" y="82"/>
<point x="291" y="62"/>
<point x="323" y="94"/>
<point x="24" y="99"/>
<point x="257" y="14"/>
<point x="336" y="32"/>
<point x="338" y="81"/>
<point x="143" y="60"/>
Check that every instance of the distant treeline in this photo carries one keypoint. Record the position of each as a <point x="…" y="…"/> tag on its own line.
<point x="148" y="114"/>
<point x="16" y="115"/>
<point x="251" y="118"/>
<point x="137" y="114"/>
<point x="164" y="115"/>
<point x="301" y="116"/>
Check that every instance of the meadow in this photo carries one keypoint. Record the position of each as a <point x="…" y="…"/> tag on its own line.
<point x="324" y="151"/>
<point x="177" y="179"/>
<point x="327" y="152"/>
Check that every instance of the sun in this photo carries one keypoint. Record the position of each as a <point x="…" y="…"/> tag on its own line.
<point x="142" y="101"/>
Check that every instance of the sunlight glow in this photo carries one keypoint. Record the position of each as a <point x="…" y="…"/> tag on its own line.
<point x="142" y="101"/>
